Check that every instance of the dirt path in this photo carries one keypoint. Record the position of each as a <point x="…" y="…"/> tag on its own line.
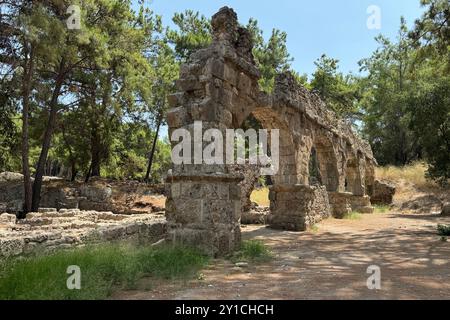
<point x="330" y="263"/>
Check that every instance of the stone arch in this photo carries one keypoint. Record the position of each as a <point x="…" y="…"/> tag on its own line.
<point x="219" y="87"/>
<point x="354" y="177"/>
<point x="315" y="175"/>
<point x="369" y="176"/>
<point x="328" y="163"/>
<point x="271" y="119"/>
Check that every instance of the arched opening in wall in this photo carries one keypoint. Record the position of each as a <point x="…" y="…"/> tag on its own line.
<point x="323" y="159"/>
<point x="369" y="176"/>
<point x="315" y="177"/>
<point x="353" y="179"/>
<point x="255" y="188"/>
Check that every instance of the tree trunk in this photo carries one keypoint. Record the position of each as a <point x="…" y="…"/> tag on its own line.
<point x="152" y="153"/>
<point x="37" y="186"/>
<point x="95" y="153"/>
<point x="27" y="79"/>
<point x="73" y="172"/>
<point x="88" y="174"/>
<point x="72" y="159"/>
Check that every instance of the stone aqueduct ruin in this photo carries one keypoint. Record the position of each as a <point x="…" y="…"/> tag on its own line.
<point x="219" y="86"/>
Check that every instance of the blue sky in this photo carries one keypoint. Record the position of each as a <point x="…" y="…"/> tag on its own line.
<point x="337" y="28"/>
<point x="334" y="27"/>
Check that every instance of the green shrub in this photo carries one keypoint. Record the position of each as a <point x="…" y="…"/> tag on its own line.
<point x="381" y="208"/>
<point x="443" y="230"/>
<point x="253" y="251"/>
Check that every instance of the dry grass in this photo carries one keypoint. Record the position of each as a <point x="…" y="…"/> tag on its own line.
<point x="413" y="173"/>
<point x="261" y="197"/>
<point x="410" y="182"/>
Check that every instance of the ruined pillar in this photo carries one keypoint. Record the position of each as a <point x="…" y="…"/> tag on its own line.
<point x="203" y="205"/>
<point x="297" y="207"/>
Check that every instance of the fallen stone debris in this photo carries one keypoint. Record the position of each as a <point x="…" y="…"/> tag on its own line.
<point x="50" y="230"/>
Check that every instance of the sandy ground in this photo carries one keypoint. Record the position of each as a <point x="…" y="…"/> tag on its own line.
<point x="330" y="263"/>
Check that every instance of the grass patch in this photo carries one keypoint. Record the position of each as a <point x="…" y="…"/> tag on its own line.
<point x="443" y="230"/>
<point x="352" y="216"/>
<point x="103" y="269"/>
<point x="261" y="197"/>
<point x="381" y="208"/>
<point x="252" y="251"/>
<point x="314" y="228"/>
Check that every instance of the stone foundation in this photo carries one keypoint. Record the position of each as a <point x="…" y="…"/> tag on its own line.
<point x="383" y="192"/>
<point x="446" y="210"/>
<point x="297" y="207"/>
<point x="205" y="211"/>
<point x="361" y="204"/>
<point x="51" y="230"/>
<point x="340" y="203"/>
<point x="256" y="215"/>
<point x="343" y="203"/>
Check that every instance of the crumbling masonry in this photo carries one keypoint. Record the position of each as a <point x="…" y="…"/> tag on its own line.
<point x="219" y="86"/>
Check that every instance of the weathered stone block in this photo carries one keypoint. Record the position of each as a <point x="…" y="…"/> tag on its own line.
<point x="340" y="203"/>
<point x="383" y="192"/>
<point x="216" y="191"/>
<point x="189" y="84"/>
<point x="183" y="211"/>
<point x="191" y="190"/>
<point x="446" y="209"/>
<point x="11" y="247"/>
<point x="177" y="117"/>
<point x="218" y="211"/>
<point x="298" y="206"/>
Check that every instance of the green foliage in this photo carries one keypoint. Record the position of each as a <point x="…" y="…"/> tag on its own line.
<point x="262" y="181"/>
<point x="338" y="91"/>
<point x="252" y="251"/>
<point x="430" y="121"/>
<point x="443" y="230"/>
<point x="194" y="32"/>
<point x="9" y="137"/>
<point x="381" y="208"/>
<point x="432" y="32"/>
<point x="385" y="101"/>
<point x="103" y="269"/>
<point x="272" y="57"/>
<point x="405" y="99"/>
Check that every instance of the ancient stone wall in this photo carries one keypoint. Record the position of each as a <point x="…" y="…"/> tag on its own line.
<point x="219" y="86"/>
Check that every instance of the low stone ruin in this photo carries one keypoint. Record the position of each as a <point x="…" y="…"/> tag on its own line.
<point x="52" y="230"/>
<point x="446" y="209"/>
<point x="121" y="197"/>
<point x="256" y="215"/>
<point x="383" y="192"/>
